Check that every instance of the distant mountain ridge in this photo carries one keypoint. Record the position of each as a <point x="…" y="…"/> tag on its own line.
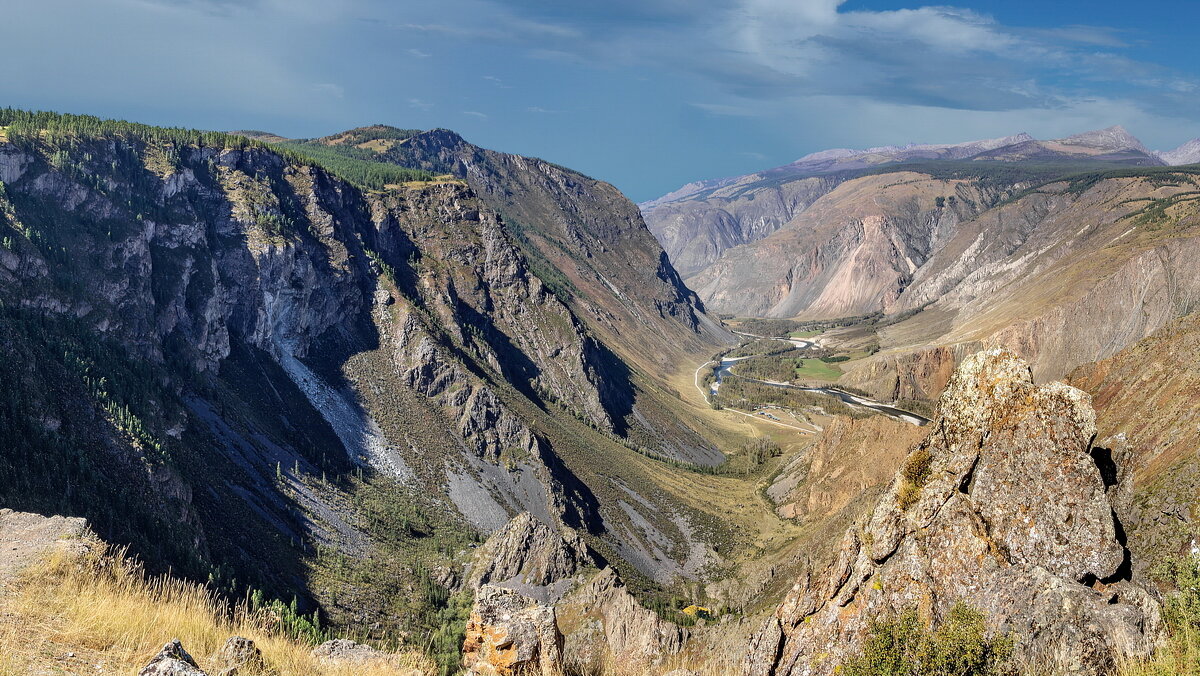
<point x="699" y="221"/>
<point x="1188" y="153"/>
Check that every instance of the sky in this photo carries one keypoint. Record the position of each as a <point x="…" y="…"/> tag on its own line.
<point x="645" y="94"/>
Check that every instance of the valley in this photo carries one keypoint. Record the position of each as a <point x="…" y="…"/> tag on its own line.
<point x="386" y="397"/>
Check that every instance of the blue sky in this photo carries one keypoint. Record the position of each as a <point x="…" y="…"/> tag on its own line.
<point x="647" y="94"/>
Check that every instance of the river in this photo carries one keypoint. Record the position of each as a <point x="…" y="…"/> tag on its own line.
<point x="847" y="398"/>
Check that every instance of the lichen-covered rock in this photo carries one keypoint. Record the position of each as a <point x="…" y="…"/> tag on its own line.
<point x="1006" y="507"/>
<point x="530" y="557"/>
<point x="509" y="634"/>
<point x="172" y="660"/>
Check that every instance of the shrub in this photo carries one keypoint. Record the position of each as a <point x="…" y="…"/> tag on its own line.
<point x="917" y="466"/>
<point x="1181" y="607"/>
<point x="914" y="473"/>
<point x="960" y="646"/>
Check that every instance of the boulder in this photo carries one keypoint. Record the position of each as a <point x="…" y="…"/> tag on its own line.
<point x="509" y="633"/>
<point x="238" y="657"/>
<point x="172" y="660"/>
<point x="1005" y="507"/>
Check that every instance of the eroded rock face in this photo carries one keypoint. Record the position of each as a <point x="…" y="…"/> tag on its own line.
<point x="509" y="633"/>
<point x="1002" y="507"/>
<point x="531" y="557"/>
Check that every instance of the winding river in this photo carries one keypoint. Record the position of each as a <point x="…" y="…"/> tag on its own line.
<point x="847" y="398"/>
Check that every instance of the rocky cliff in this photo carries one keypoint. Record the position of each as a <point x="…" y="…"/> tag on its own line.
<point x="587" y="232"/>
<point x="1005" y="506"/>
<point x="300" y="377"/>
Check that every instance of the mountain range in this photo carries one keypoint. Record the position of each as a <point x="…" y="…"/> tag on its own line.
<point x="386" y="401"/>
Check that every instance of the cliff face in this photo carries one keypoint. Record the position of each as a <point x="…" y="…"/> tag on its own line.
<point x="591" y="234"/>
<point x="1006" y="507"/>
<point x="1041" y="247"/>
<point x="695" y="232"/>
<point x="210" y="338"/>
<point x="853" y="251"/>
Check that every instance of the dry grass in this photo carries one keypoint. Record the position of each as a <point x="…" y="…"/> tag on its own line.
<point x="113" y="619"/>
<point x="1179" y="657"/>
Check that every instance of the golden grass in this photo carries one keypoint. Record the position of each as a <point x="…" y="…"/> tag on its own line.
<point x="1179" y="657"/>
<point x="105" y="611"/>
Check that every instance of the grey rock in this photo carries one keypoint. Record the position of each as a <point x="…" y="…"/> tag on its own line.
<point x="529" y="556"/>
<point x="609" y="621"/>
<point x="1012" y="516"/>
<point x="345" y="650"/>
<point x="172" y="660"/>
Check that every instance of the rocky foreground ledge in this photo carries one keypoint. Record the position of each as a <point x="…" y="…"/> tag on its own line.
<point x="1006" y="507"/>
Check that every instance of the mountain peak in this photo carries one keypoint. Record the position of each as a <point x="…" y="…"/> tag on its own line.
<point x="1115" y="137"/>
<point x="1188" y="153"/>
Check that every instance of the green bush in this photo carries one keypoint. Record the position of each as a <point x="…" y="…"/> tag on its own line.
<point x="1181" y="607"/>
<point x="904" y="646"/>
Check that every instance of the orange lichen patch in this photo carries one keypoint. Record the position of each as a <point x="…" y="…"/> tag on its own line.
<point x="489" y="647"/>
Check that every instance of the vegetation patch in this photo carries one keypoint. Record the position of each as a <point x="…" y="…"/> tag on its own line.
<point x="903" y="646"/>
<point x="914" y="474"/>
<point x="817" y="369"/>
<point x="105" y="609"/>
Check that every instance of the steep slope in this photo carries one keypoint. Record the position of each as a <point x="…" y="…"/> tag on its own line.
<point x="307" y="383"/>
<point x="1063" y="275"/>
<point x="1145" y="406"/>
<point x="948" y="258"/>
<point x="582" y="228"/>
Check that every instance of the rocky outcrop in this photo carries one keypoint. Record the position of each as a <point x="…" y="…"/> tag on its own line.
<point x="172" y="660"/>
<point x="591" y="233"/>
<point x="853" y="251"/>
<point x="605" y="624"/>
<point x="1006" y="507"/>
<point x="530" y="557"/>
<point x="509" y="634"/>
<point x="27" y="539"/>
